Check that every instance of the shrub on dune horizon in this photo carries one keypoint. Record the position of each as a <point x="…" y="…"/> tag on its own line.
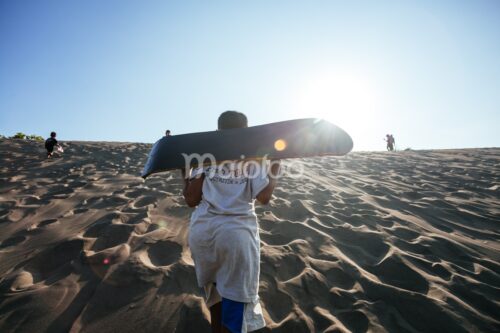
<point x="35" y="137"/>
<point x="22" y="136"/>
<point x="19" y="135"/>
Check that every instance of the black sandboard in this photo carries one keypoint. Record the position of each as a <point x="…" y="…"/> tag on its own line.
<point x="301" y="137"/>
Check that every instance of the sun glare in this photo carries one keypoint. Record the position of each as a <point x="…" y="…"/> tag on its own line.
<point x="347" y="100"/>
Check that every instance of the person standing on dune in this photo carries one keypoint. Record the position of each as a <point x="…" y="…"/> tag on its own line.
<point x="50" y="143"/>
<point x="389" y="138"/>
<point x="224" y="235"/>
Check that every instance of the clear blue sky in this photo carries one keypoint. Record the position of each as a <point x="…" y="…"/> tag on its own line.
<point x="426" y="71"/>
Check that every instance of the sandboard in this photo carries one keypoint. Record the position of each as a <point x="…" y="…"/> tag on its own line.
<point x="286" y="139"/>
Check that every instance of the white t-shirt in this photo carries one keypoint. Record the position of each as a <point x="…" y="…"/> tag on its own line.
<point x="223" y="232"/>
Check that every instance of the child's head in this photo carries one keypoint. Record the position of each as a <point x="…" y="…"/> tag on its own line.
<point x="52" y="134"/>
<point x="232" y="119"/>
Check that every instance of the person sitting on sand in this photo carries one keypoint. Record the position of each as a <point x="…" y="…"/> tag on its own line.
<point x="50" y="143"/>
<point x="390" y="142"/>
<point x="167" y="133"/>
<point x="224" y="235"/>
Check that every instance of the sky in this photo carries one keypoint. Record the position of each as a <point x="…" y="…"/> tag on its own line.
<point x="119" y="70"/>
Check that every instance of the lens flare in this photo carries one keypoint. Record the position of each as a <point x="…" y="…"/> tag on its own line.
<point x="280" y="145"/>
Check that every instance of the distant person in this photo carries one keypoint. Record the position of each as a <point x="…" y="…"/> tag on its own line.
<point x="167" y="133"/>
<point x="50" y="144"/>
<point x="389" y="138"/>
<point x="224" y="235"/>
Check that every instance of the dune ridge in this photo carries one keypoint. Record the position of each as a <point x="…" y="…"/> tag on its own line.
<point x="373" y="241"/>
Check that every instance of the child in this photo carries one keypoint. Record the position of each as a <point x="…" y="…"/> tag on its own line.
<point x="224" y="235"/>
<point x="50" y="143"/>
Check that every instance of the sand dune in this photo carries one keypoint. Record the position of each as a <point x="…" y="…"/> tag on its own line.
<point x="382" y="242"/>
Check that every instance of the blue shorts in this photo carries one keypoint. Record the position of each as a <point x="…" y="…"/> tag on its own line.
<point x="232" y="315"/>
<point x="237" y="317"/>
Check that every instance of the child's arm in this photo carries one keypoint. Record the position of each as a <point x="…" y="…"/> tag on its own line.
<point x="192" y="189"/>
<point x="266" y="194"/>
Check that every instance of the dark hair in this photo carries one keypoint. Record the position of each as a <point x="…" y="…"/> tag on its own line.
<point x="232" y="119"/>
<point x="52" y="134"/>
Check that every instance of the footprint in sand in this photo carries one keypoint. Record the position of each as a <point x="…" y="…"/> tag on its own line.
<point x="152" y="227"/>
<point x="59" y="192"/>
<point x="179" y="279"/>
<point x="364" y="248"/>
<point x="393" y="271"/>
<point x="47" y="222"/>
<point x="101" y="261"/>
<point x="272" y="294"/>
<point x="135" y="218"/>
<point x="334" y="274"/>
<point x="404" y="233"/>
<point x="145" y="200"/>
<point x="54" y="263"/>
<point x="282" y="265"/>
<point x="429" y="267"/>
<point x="31" y="200"/>
<point x="80" y="210"/>
<point x="16" y="215"/>
<point x="109" y="235"/>
<point x="5" y="209"/>
<point x="12" y="241"/>
<point x="355" y="321"/>
<point x="164" y="253"/>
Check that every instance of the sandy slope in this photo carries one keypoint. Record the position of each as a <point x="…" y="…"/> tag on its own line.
<point x="398" y="242"/>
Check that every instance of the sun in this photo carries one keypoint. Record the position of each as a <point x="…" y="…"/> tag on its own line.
<point x="346" y="99"/>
